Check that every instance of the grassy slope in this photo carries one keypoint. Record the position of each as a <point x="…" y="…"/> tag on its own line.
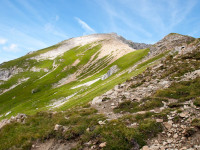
<point x="41" y="126"/>
<point x="21" y="99"/>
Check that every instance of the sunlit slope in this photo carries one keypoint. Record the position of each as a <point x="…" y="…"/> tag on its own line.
<point x="68" y="78"/>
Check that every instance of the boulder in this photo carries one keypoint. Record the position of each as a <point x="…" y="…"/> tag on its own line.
<point x="96" y="100"/>
<point x="58" y="127"/>
<point x="102" y="145"/>
<point x="168" y="125"/>
<point x="145" y="148"/>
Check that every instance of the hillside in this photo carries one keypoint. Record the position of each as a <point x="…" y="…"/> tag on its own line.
<point x="102" y="91"/>
<point x="63" y="73"/>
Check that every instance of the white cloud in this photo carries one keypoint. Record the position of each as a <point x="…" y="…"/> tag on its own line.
<point x="85" y="26"/>
<point x="11" y="48"/>
<point x="3" y="41"/>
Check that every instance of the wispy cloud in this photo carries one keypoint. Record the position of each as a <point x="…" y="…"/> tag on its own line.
<point x="49" y="27"/>
<point x="11" y="48"/>
<point x="180" y="12"/>
<point x="115" y="14"/>
<point x="3" y="41"/>
<point x="85" y="26"/>
<point x="57" y="17"/>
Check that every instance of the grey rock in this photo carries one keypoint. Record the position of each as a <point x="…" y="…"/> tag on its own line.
<point x="110" y="72"/>
<point x="6" y="74"/>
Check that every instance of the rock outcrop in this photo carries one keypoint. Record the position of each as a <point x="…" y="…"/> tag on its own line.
<point x="6" y="74"/>
<point x="170" y="42"/>
<point x="19" y="118"/>
<point x="111" y="71"/>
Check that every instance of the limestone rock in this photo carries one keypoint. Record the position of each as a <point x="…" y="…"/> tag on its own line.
<point x="145" y="148"/>
<point x="57" y="127"/>
<point x="96" y="100"/>
<point x="167" y="125"/>
<point x="101" y="122"/>
<point x="102" y="145"/>
<point x="112" y="70"/>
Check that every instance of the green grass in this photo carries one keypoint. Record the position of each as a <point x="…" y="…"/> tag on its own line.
<point x="23" y="60"/>
<point x="133" y="107"/>
<point x="197" y="102"/>
<point x="182" y="91"/>
<point x="152" y="59"/>
<point x="196" y="122"/>
<point x="24" y="98"/>
<point x="27" y="102"/>
<point x="41" y="127"/>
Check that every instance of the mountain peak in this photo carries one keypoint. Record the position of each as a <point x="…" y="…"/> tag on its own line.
<point x="171" y="41"/>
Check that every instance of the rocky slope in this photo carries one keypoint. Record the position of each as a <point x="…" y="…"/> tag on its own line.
<point x="137" y="96"/>
<point x="151" y="101"/>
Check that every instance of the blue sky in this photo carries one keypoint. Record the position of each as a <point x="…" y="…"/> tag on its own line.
<point x="27" y="25"/>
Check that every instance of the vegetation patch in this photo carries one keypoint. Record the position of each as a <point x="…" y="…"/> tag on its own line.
<point x="182" y="91"/>
<point x="196" y="123"/>
<point x="81" y="125"/>
<point x="129" y="106"/>
<point x="197" y="102"/>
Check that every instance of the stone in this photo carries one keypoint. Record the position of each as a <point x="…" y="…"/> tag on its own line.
<point x="57" y="127"/>
<point x="96" y="100"/>
<point x="102" y="145"/>
<point x="101" y="122"/>
<point x="183" y="114"/>
<point x="133" y="124"/>
<point x="93" y="147"/>
<point x="175" y="136"/>
<point x="164" y="143"/>
<point x="145" y="148"/>
<point x="159" y="120"/>
<point x="154" y="147"/>
<point x="113" y="104"/>
<point x="162" y="148"/>
<point x="183" y="148"/>
<point x="167" y="125"/>
<point x="169" y="141"/>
